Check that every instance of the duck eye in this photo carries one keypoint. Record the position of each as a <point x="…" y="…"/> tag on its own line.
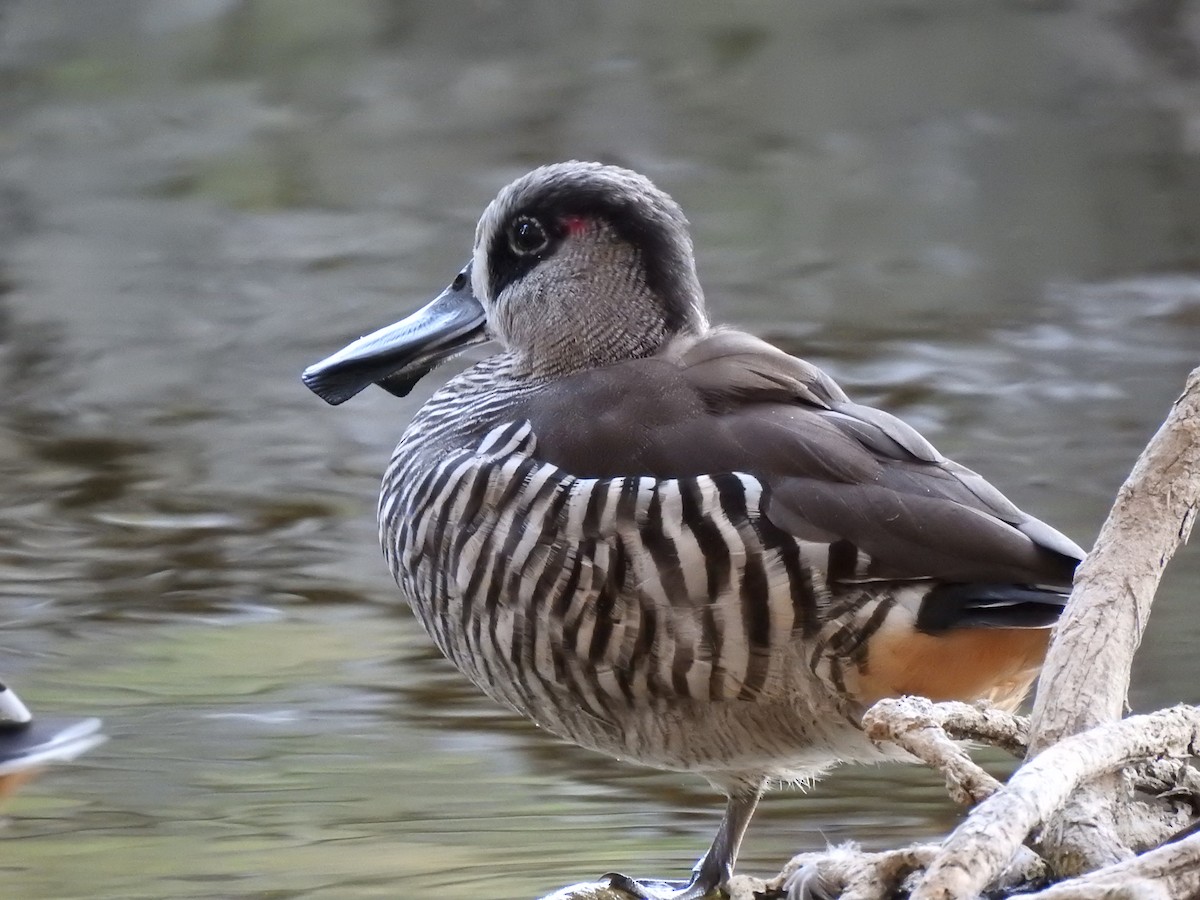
<point x="526" y="236"/>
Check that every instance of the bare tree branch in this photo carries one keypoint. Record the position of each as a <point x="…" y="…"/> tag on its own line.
<point x="1103" y="625"/>
<point x="1169" y="871"/>
<point x="1114" y="587"/>
<point x="919" y="726"/>
<point x="980" y="848"/>
<point x="1099" y="633"/>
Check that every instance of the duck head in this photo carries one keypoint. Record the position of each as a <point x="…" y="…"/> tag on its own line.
<point x="576" y="265"/>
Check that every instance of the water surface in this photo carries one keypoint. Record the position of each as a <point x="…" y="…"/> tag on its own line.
<point x="984" y="219"/>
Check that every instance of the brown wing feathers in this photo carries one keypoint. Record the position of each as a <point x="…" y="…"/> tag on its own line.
<point x="729" y="368"/>
<point x="833" y="470"/>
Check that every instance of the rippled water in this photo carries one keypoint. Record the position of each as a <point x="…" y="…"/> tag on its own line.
<point x="983" y="218"/>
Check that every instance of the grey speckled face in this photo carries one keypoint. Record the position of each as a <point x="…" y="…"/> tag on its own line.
<point x="554" y="222"/>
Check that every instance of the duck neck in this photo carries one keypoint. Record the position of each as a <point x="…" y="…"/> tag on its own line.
<point x="468" y="405"/>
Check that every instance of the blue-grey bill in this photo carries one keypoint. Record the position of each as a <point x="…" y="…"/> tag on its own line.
<point x="400" y="355"/>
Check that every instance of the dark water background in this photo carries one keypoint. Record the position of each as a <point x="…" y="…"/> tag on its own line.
<point x="983" y="216"/>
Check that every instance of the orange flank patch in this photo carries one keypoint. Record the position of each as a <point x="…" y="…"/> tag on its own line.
<point x="996" y="664"/>
<point x="13" y="780"/>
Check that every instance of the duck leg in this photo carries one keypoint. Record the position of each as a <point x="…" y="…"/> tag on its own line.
<point x="715" y="867"/>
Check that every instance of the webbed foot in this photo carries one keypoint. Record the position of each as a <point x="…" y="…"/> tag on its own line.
<point x="698" y="888"/>
<point x="715" y="867"/>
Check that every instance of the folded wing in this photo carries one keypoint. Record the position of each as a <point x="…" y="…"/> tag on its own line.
<point x="833" y="471"/>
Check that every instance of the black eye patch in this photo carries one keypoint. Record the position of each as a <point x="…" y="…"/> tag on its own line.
<point x="524" y="242"/>
<point x="571" y="208"/>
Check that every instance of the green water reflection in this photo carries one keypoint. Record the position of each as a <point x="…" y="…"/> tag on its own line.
<point x="978" y="218"/>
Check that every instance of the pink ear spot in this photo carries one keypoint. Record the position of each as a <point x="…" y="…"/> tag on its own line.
<point x="575" y="224"/>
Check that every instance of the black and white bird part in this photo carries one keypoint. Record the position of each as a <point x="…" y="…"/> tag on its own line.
<point x="669" y="541"/>
<point x="29" y="744"/>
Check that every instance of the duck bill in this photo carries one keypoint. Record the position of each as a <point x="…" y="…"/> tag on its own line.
<point x="400" y="355"/>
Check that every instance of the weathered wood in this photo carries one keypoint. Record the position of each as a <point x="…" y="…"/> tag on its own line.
<point x="1103" y="623"/>
<point x="981" y="847"/>
<point x="919" y="726"/>
<point x="1100" y="631"/>
<point x="1170" y="871"/>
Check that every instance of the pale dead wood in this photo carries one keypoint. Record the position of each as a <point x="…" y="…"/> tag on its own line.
<point x="1114" y="587"/>
<point x="981" y="847"/>
<point x="1168" y="778"/>
<point x="1169" y="871"/>
<point x="960" y="721"/>
<point x="983" y="722"/>
<point x="848" y="873"/>
<point x="1102" y="627"/>
<point x="918" y="725"/>
<point x="1100" y="631"/>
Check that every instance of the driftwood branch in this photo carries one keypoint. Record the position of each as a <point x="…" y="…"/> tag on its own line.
<point x="1074" y="799"/>
<point x="1170" y="871"/>
<point x="1100" y="632"/>
<point x="847" y="873"/>
<point x="926" y="730"/>
<point x="1102" y="625"/>
<point x="981" y="847"/>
